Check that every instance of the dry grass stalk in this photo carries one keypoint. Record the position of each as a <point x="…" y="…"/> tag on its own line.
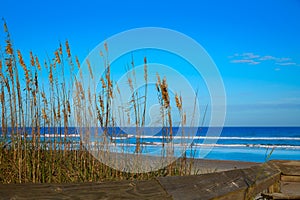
<point x="77" y="62"/>
<point x="90" y="68"/>
<point x="51" y="75"/>
<point x="41" y="159"/>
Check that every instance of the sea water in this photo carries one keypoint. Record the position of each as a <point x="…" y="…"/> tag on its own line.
<point x="255" y="144"/>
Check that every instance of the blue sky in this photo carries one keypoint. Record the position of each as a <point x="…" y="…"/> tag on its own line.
<point x="255" y="44"/>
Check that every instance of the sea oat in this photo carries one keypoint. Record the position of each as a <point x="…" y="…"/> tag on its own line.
<point x="1" y="75"/>
<point x="37" y="63"/>
<point x="58" y="110"/>
<point x="103" y="83"/>
<point x="178" y="101"/>
<point x="32" y="63"/>
<point x="106" y="47"/>
<point x="28" y="80"/>
<point x="68" y="107"/>
<point x="107" y="76"/>
<point x="36" y="83"/>
<point x="184" y="119"/>
<point x="8" y="48"/>
<point x="50" y="74"/>
<point x="45" y="64"/>
<point x="101" y="103"/>
<point x="44" y="115"/>
<point x="165" y="94"/>
<point x="5" y="26"/>
<point x="44" y="98"/>
<point x="8" y="63"/>
<point x="145" y="70"/>
<point x="60" y="49"/>
<point x="21" y="61"/>
<point x="77" y="61"/>
<point x="34" y="97"/>
<point x="158" y="79"/>
<point x="90" y="69"/>
<point x="118" y="89"/>
<point x="130" y="83"/>
<point x="57" y="57"/>
<point x="68" y="49"/>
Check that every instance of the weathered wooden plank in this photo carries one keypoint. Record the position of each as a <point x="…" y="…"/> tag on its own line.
<point x="234" y="184"/>
<point x="290" y="188"/>
<point x="274" y="188"/>
<point x="259" y="178"/>
<point x="280" y="196"/>
<point x="109" y="190"/>
<point x="288" y="167"/>
<point x="204" y="186"/>
<point x="290" y="178"/>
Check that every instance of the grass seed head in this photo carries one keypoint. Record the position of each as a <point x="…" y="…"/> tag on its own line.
<point x="38" y="63"/>
<point x="103" y="83"/>
<point x="178" y="102"/>
<point x="8" y="63"/>
<point x="57" y="57"/>
<point x="68" y="107"/>
<point x="60" y="49"/>
<point x="32" y="63"/>
<point x="77" y="61"/>
<point x="165" y="93"/>
<point x="106" y="47"/>
<point x="68" y="49"/>
<point x="50" y="75"/>
<point x="8" y="48"/>
<point x="90" y="69"/>
<point x="21" y="61"/>
<point x="5" y="26"/>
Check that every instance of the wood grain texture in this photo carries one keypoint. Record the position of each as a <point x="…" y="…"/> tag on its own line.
<point x="109" y="190"/>
<point x="280" y="196"/>
<point x="290" y="178"/>
<point x="234" y="184"/>
<point x="288" y="167"/>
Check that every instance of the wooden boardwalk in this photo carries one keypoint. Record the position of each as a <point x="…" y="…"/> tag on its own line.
<point x="289" y="183"/>
<point x="273" y="180"/>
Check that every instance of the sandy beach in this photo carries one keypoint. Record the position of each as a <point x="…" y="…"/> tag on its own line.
<point x="202" y="166"/>
<point x="208" y="166"/>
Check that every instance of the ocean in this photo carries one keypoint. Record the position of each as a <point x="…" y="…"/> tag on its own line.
<point x="254" y="144"/>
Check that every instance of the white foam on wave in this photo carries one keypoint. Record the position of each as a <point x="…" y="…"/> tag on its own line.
<point x="212" y="137"/>
<point x="76" y="135"/>
<point x="196" y="145"/>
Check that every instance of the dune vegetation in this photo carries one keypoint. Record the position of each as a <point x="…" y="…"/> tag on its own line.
<point x="37" y="100"/>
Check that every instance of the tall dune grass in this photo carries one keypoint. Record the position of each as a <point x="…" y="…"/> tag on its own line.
<point x="28" y="101"/>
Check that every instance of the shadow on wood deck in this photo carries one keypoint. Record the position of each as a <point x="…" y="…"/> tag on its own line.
<point x="271" y="180"/>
